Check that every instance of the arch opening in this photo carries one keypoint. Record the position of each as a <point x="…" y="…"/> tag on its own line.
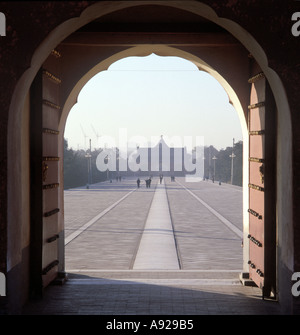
<point x="144" y="114"/>
<point x="284" y="130"/>
<point x="162" y="50"/>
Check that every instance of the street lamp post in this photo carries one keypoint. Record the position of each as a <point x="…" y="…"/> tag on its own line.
<point x="107" y="158"/>
<point x="89" y="165"/>
<point x="232" y="157"/>
<point x="214" y="159"/>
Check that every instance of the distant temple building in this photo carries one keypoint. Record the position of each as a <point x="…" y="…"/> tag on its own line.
<point x="159" y="159"/>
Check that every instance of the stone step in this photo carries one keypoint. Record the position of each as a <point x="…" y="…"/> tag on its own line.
<point x="151" y="274"/>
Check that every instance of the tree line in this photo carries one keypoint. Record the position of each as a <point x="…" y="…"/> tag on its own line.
<point x="78" y="173"/>
<point x="219" y="169"/>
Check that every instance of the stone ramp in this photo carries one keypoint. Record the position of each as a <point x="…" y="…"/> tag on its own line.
<point x="140" y="275"/>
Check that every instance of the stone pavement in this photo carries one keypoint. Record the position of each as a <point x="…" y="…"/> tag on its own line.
<point x="112" y="241"/>
<point x="203" y="241"/>
<point x="162" y="295"/>
<point x="100" y="258"/>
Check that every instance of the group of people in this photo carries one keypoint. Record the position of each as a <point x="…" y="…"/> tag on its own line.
<point x="148" y="182"/>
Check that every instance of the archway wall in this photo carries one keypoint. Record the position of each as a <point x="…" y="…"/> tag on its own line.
<point x="232" y="62"/>
<point x="230" y="67"/>
<point x="18" y="73"/>
<point x="284" y="210"/>
<point x="286" y="241"/>
<point x="232" y="72"/>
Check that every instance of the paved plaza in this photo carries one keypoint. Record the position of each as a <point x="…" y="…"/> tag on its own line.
<point x="171" y="249"/>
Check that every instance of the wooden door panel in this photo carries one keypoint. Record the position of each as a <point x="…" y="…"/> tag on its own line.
<point x="50" y="200"/>
<point x="258" y="92"/>
<point x="50" y="145"/>
<point x="257" y="119"/>
<point x="51" y="172"/>
<point x="256" y="172"/>
<point x="50" y="123"/>
<point x="50" y="116"/>
<point x="256" y="202"/>
<point x="262" y="124"/>
<point x="257" y="146"/>
<point x="50" y="87"/>
<point x="256" y="126"/>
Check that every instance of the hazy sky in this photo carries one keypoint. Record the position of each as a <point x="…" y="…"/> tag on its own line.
<point x="152" y="96"/>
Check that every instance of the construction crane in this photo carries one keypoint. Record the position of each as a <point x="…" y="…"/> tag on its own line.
<point x="85" y="136"/>
<point x="96" y="134"/>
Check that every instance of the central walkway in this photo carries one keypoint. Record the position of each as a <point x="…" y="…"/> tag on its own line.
<point x="172" y="249"/>
<point x="157" y="250"/>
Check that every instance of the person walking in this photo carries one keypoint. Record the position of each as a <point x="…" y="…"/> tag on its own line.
<point x="148" y="182"/>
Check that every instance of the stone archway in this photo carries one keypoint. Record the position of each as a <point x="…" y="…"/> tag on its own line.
<point x="163" y="50"/>
<point x="20" y="101"/>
